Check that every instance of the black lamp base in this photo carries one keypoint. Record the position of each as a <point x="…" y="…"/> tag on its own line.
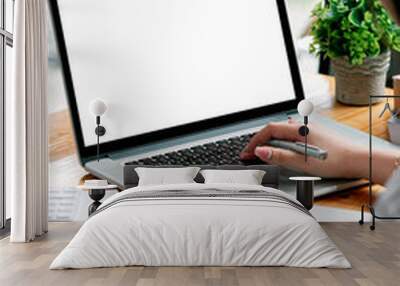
<point x="303" y="130"/>
<point x="100" y="130"/>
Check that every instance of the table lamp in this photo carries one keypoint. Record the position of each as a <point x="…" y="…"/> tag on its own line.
<point x="305" y="184"/>
<point x="305" y="108"/>
<point x="98" y="108"/>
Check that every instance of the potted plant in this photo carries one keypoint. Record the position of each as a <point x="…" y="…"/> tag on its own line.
<point x="357" y="35"/>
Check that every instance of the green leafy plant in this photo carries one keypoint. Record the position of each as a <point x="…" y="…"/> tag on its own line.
<point x="355" y="29"/>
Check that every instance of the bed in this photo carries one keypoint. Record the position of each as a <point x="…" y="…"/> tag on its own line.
<point x="202" y="224"/>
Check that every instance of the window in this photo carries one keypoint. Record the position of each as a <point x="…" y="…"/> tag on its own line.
<point x="6" y="43"/>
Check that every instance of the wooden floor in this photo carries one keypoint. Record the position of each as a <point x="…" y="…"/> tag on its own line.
<point x="375" y="257"/>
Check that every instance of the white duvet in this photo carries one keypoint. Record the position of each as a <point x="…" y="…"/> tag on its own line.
<point x="200" y="231"/>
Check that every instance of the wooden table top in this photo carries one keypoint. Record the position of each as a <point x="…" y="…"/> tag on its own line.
<point x="61" y="142"/>
<point x="356" y="117"/>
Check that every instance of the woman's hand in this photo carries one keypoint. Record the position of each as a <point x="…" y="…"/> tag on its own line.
<point x="345" y="160"/>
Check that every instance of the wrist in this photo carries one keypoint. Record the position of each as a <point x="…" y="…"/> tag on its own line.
<point x="383" y="164"/>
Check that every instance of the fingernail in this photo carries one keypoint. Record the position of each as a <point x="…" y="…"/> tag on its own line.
<point x="263" y="153"/>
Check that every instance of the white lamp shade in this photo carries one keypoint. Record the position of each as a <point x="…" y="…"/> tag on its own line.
<point x="97" y="107"/>
<point x="305" y="107"/>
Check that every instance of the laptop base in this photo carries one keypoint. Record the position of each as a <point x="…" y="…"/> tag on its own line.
<point x="112" y="169"/>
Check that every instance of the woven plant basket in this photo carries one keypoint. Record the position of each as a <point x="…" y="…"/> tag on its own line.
<point x="354" y="84"/>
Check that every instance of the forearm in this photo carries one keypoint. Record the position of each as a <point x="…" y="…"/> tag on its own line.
<point x="383" y="165"/>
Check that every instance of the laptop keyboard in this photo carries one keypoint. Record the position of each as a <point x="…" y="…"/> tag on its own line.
<point x="222" y="152"/>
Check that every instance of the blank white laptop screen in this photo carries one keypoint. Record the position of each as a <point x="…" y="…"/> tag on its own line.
<point x="165" y="63"/>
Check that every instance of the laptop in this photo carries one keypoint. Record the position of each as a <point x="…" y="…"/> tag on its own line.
<point x="186" y="82"/>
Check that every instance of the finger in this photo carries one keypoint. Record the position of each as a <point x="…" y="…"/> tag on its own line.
<point x="281" y="157"/>
<point x="280" y="130"/>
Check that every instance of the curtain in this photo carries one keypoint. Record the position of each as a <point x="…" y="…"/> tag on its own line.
<point x="27" y="123"/>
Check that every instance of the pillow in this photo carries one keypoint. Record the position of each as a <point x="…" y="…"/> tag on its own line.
<point x="248" y="177"/>
<point x="165" y="176"/>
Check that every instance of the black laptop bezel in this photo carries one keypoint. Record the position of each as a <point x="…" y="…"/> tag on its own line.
<point x="88" y="153"/>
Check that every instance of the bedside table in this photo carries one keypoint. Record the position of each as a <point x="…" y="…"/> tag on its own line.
<point x="96" y="193"/>
<point x="305" y="190"/>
